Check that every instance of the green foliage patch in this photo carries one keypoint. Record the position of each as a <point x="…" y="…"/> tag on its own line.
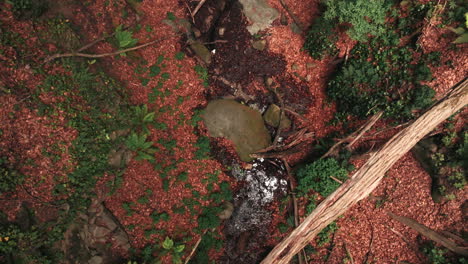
<point x="317" y="176"/>
<point x="379" y="73"/>
<point x="9" y="177"/>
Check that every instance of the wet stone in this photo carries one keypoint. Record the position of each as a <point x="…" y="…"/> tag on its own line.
<point x="272" y="117"/>
<point x="259" y="44"/>
<point x="201" y="51"/>
<point x="239" y="123"/>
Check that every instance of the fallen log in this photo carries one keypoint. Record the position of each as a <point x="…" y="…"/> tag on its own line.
<point x="366" y="179"/>
<point x="431" y="234"/>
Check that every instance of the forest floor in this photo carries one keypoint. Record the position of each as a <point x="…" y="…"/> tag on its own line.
<point x="169" y="194"/>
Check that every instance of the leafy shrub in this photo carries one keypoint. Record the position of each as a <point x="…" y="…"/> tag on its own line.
<point x="9" y="177"/>
<point x="321" y="39"/>
<point x="26" y="9"/>
<point x="371" y="81"/>
<point x="209" y="218"/>
<point x="366" y="17"/>
<point x="324" y="236"/>
<point x="124" y="38"/>
<point x="379" y="73"/>
<point x="209" y="241"/>
<point x="138" y="143"/>
<point x="174" y="249"/>
<point x="317" y="176"/>
<point x="203" y="145"/>
<point x="202" y="74"/>
<point x="142" y="118"/>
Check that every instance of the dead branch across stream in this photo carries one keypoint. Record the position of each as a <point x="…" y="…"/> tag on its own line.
<point x="368" y="177"/>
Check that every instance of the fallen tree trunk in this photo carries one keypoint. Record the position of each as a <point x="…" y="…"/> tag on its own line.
<point x="366" y="179"/>
<point x="431" y="234"/>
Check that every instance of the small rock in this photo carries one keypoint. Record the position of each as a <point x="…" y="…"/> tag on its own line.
<point x="119" y="133"/>
<point x="310" y="65"/>
<point x="259" y="44"/>
<point x="95" y="260"/>
<point x="284" y="19"/>
<point x="295" y="28"/>
<point x="119" y="158"/>
<point x="308" y="77"/>
<point x="272" y="117"/>
<point x="227" y="212"/>
<point x="221" y="31"/>
<point x="268" y="81"/>
<point x="295" y="67"/>
<point x="185" y="24"/>
<point x="201" y="51"/>
<point x="172" y="24"/>
<point x="196" y="32"/>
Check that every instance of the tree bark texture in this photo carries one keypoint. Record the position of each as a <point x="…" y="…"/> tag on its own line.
<point x="366" y="179"/>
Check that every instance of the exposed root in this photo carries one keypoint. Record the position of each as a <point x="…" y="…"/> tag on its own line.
<point x="200" y="4"/>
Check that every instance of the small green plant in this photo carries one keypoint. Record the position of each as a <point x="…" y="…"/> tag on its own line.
<point x="209" y="241"/>
<point x="209" y="218"/>
<point x="321" y="39"/>
<point x="434" y="254"/>
<point x="324" y="236"/>
<point x="128" y="208"/>
<point x="143" y="200"/>
<point x="317" y="176"/>
<point x="202" y="74"/>
<point x="26" y="9"/>
<point x="163" y="216"/>
<point x="9" y="177"/>
<point x="176" y="250"/>
<point x="179" y="55"/>
<point x="142" y="118"/>
<point x="144" y="149"/>
<point x="203" y="145"/>
<point x="461" y="31"/>
<point x="369" y="81"/>
<point x="124" y="38"/>
<point x="312" y="204"/>
<point x="366" y="17"/>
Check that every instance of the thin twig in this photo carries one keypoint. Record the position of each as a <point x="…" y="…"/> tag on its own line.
<point x="200" y="4"/>
<point x="190" y="11"/>
<point x="86" y="55"/>
<point x="216" y="41"/>
<point x="195" y="248"/>
<point x="351" y="259"/>
<point x="366" y="127"/>
<point x="366" y="257"/>
<point x="355" y="136"/>
<point x="291" y="111"/>
<point x="335" y="179"/>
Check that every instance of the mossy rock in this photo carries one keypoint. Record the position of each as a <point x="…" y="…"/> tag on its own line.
<point x="239" y="123"/>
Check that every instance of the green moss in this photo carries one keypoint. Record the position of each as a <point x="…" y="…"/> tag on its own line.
<point x="324" y="237"/>
<point x="317" y="176"/>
